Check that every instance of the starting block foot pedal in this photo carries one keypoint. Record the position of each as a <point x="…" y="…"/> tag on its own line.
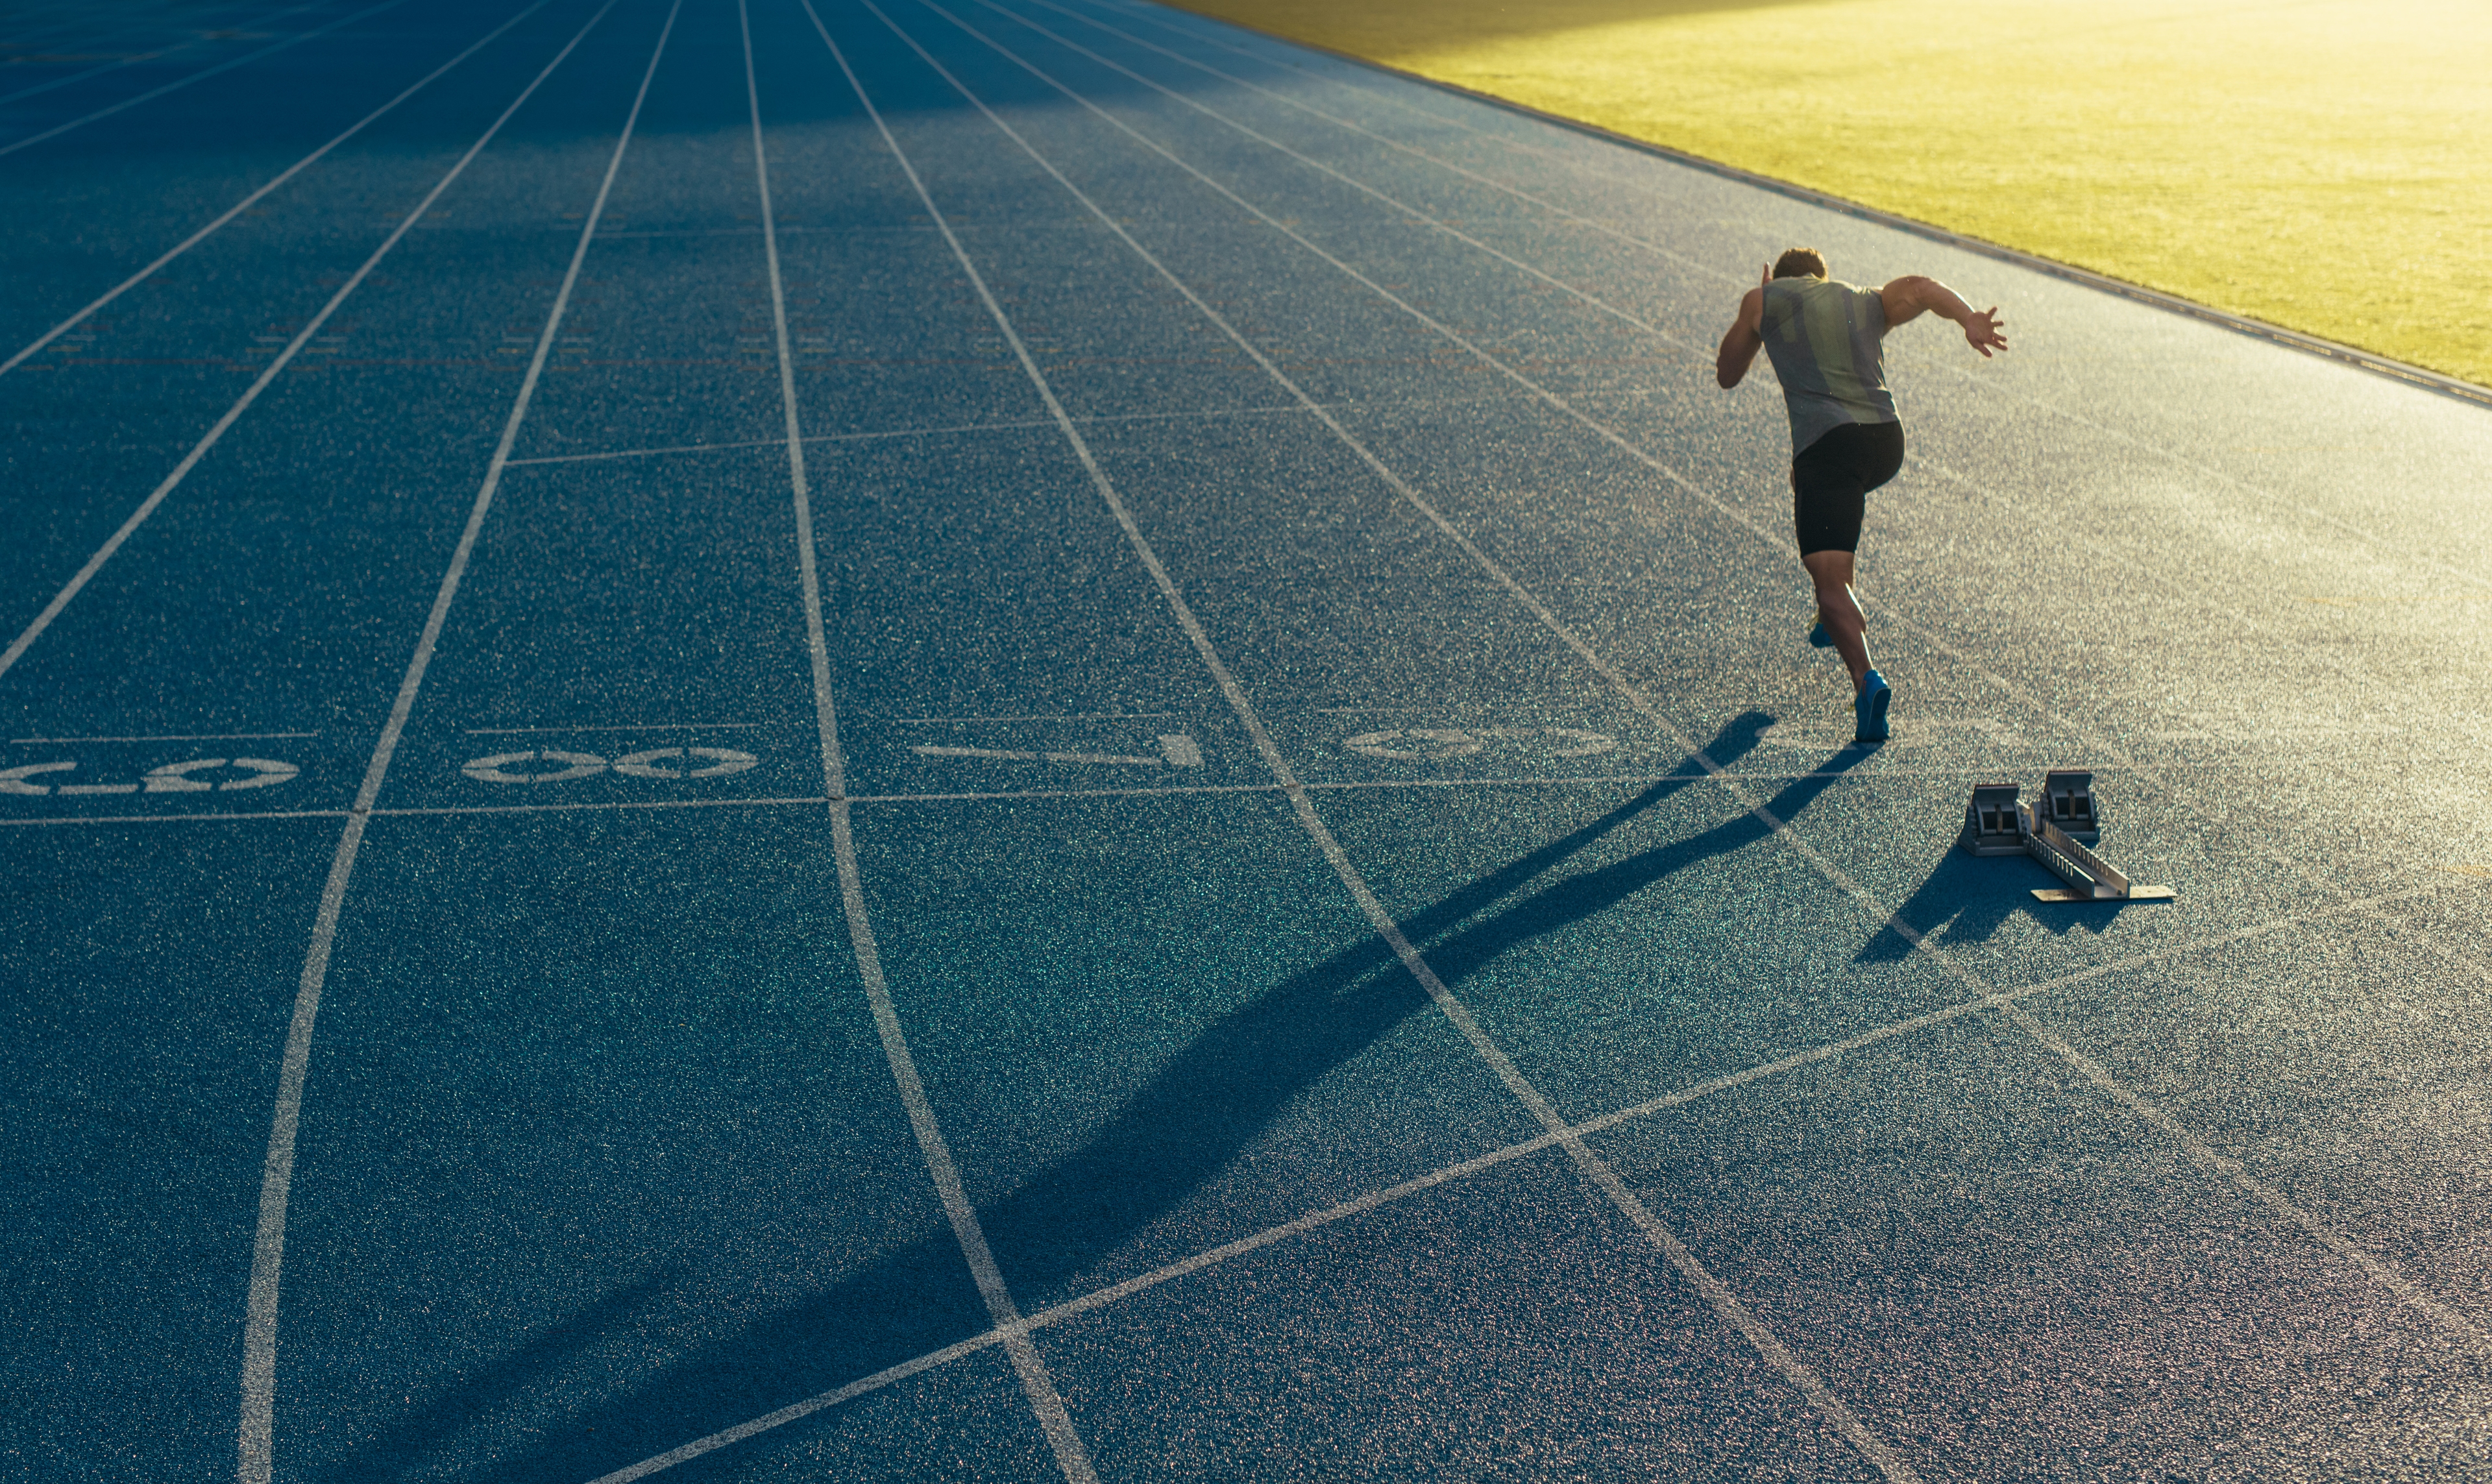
<point x="2069" y="801"/>
<point x="1990" y="822"/>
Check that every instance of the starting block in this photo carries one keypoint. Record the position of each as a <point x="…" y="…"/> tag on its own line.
<point x="1997" y="821"/>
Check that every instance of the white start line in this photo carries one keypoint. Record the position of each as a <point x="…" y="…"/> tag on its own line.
<point x="1176" y="752"/>
<point x="1430" y="744"/>
<point x="1425" y="743"/>
<point x="171" y="778"/>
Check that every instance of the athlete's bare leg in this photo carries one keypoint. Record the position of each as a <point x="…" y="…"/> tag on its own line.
<point x="1838" y="610"/>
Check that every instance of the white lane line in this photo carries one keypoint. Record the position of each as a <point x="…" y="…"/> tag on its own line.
<point x="972" y="796"/>
<point x="201" y="75"/>
<point x="512" y="732"/>
<point x="823" y="437"/>
<point x="247" y="202"/>
<point x="410" y="813"/>
<point x="192" y="736"/>
<point x="755" y="802"/>
<point x="1205" y="415"/>
<point x="255" y="1443"/>
<point x="1053" y="716"/>
<point x="261" y="814"/>
<point x="276" y="366"/>
<point x="1060" y="793"/>
<point x="1054" y="1418"/>
<point x="903" y="432"/>
<point x="1725" y="1304"/>
<point x="1101" y="1298"/>
<point x="1356" y="784"/>
<point x="420" y="811"/>
<point x="806" y="1408"/>
<point x="1012" y="757"/>
<point x="2232" y="1170"/>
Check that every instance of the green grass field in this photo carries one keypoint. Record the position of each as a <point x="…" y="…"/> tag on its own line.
<point x="2324" y="166"/>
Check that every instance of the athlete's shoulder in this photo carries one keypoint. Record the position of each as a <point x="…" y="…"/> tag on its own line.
<point x="1868" y="302"/>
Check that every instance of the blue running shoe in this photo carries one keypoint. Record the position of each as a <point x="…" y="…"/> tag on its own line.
<point x="1871" y="709"/>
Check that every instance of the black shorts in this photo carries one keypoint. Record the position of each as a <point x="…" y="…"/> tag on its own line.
<point x="1831" y="479"/>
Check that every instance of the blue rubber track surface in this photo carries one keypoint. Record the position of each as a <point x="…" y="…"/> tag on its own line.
<point x="1023" y="740"/>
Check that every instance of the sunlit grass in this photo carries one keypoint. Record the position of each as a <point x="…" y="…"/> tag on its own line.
<point x="2324" y="166"/>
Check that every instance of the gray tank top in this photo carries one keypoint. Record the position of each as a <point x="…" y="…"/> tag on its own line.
<point x="1823" y="339"/>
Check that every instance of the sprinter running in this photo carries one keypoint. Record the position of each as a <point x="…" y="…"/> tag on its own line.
<point x="1823" y="338"/>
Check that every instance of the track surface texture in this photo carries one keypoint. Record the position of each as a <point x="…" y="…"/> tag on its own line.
<point x="1020" y="739"/>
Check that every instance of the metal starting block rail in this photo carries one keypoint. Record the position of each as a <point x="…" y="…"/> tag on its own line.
<point x="1997" y="821"/>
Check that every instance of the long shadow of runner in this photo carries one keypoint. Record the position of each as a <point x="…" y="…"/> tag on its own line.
<point x="1191" y="1121"/>
<point x="1965" y="899"/>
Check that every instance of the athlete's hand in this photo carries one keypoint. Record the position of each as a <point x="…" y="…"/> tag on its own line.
<point x="1766" y="277"/>
<point x="1981" y="331"/>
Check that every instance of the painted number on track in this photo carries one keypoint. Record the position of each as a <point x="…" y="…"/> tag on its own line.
<point x="546" y="765"/>
<point x="171" y="778"/>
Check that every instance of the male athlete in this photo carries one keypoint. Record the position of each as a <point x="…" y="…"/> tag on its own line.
<point x="1823" y="338"/>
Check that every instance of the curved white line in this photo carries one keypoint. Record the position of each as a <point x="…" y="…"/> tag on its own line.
<point x="1037" y="1384"/>
<point x="255" y="1442"/>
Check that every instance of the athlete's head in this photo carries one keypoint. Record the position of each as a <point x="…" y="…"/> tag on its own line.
<point x="1801" y="264"/>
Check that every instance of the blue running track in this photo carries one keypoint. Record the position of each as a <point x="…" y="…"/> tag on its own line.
<point x="1023" y="740"/>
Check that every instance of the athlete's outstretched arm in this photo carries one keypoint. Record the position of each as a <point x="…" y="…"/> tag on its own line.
<point x="1906" y="297"/>
<point x="1746" y="336"/>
